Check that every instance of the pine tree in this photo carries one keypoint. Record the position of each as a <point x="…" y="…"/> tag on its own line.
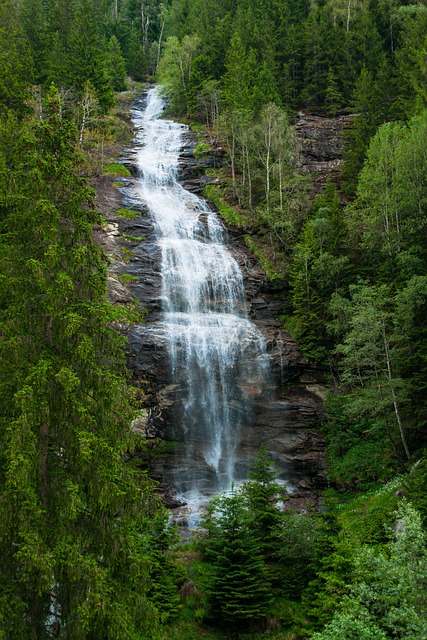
<point x="116" y="65"/>
<point x="238" y="591"/>
<point x="333" y="96"/>
<point x="263" y="494"/>
<point x="16" y="63"/>
<point x="75" y="522"/>
<point x="87" y="59"/>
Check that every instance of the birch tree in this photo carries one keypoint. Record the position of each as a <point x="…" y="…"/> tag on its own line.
<point x="369" y="353"/>
<point x="175" y="69"/>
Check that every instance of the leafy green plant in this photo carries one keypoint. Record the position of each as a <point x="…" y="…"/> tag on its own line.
<point x="201" y="149"/>
<point x="272" y="274"/>
<point x="230" y="215"/>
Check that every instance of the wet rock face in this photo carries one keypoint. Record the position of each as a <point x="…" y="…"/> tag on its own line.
<point x="285" y="416"/>
<point x="322" y="143"/>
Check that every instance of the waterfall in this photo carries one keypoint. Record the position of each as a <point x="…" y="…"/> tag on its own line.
<point x="216" y="352"/>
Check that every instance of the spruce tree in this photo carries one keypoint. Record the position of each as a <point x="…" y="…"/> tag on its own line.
<point x="263" y="494"/>
<point x="238" y="590"/>
<point x="87" y="59"/>
<point x="75" y="522"/>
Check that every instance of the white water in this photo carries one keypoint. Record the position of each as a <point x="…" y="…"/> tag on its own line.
<point x="211" y="342"/>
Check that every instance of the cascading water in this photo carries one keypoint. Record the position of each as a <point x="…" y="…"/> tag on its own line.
<point x="214" y="349"/>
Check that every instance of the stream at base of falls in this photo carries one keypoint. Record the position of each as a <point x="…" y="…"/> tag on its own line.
<point x="213" y="349"/>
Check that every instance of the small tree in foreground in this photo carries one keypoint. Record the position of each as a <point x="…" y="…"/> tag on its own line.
<point x="238" y="591"/>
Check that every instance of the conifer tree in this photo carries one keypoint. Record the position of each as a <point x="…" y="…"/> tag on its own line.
<point x="238" y="590"/>
<point x="87" y="59"/>
<point x="263" y="494"/>
<point x="116" y="65"/>
<point x="75" y="523"/>
<point x="16" y="62"/>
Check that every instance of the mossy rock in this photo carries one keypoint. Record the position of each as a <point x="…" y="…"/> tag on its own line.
<point x="127" y="213"/>
<point x="126" y="277"/>
<point x="117" y="169"/>
<point x="131" y="238"/>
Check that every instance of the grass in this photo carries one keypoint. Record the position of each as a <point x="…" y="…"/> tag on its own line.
<point x="272" y="274"/>
<point x="126" y="277"/>
<point x="230" y="214"/>
<point x="127" y="213"/>
<point x="131" y="238"/>
<point x="116" y="169"/>
<point x="128" y="252"/>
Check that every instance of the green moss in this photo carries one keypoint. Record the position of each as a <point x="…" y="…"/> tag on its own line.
<point x="116" y="169"/>
<point x="126" y="236"/>
<point x="272" y="274"/>
<point x="230" y="215"/>
<point x="127" y="213"/>
<point x="128" y="252"/>
<point x="126" y="277"/>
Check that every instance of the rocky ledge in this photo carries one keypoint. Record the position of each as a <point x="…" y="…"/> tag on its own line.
<point x="322" y="143"/>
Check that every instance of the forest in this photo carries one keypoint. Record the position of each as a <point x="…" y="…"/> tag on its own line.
<point x="86" y="552"/>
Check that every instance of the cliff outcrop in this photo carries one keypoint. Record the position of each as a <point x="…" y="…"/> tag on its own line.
<point x="286" y="418"/>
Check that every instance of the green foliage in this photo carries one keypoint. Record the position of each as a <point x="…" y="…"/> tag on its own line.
<point x="200" y="150"/>
<point x="386" y="596"/>
<point x="127" y="213"/>
<point x="131" y="238"/>
<point x="176" y="71"/>
<point x="369" y="359"/>
<point x="86" y="58"/>
<point x="237" y="587"/>
<point x="126" y="277"/>
<point x="270" y="271"/>
<point x="76" y="521"/>
<point x="319" y="268"/>
<point x="16" y="62"/>
<point x="262" y="494"/>
<point x="230" y="214"/>
<point x="414" y="488"/>
<point x="118" y="170"/>
<point x="116" y="65"/>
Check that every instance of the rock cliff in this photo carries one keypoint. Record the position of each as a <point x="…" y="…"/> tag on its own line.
<point x="286" y="418"/>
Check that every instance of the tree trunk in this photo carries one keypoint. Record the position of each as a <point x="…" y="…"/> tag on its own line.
<point x="393" y="394"/>
<point x="160" y="44"/>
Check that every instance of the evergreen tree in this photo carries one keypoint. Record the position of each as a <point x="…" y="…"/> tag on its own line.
<point x="333" y="97"/>
<point x="368" y="106"/>
<point x="16" y="63"/>
<point x="75" y="521"/>
<point x="87" y="59"/>
<point x="263" y="494"/>
<point x="116" y="65"/>
<point x="237" y="588"/>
